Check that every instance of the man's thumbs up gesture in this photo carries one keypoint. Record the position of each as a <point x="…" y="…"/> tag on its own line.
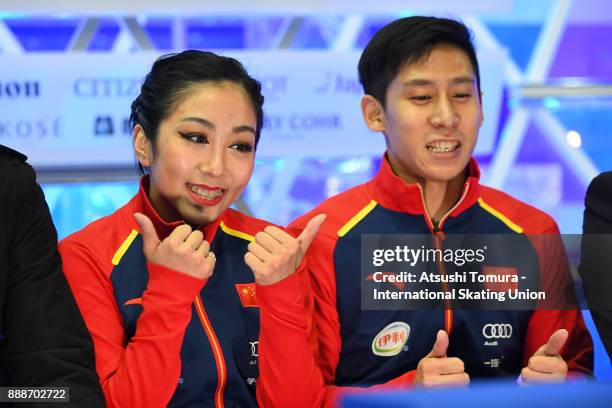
<point x="275" y="254"/>
<point x="436" y="370"/>
<point x="184" y="250"/>
<point x="546" y="365"/>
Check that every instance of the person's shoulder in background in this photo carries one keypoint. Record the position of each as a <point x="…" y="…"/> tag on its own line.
<point x="15" y="172"/>
<point x="598" y="202"/>
<point x="596" y="257"/>
<point x="44" y="340"/>
<point x="10" y="153"/>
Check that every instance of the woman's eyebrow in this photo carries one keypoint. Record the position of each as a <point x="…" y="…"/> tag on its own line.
<point x="209" y="125"/>
<point x="244" y="128"/>
<point x="206" y="123"/>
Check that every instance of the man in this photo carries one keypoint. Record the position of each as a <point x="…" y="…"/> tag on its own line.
<point x="43" y="340"/>
<point x="422" y="91"/>
<point x="596" y="261"/>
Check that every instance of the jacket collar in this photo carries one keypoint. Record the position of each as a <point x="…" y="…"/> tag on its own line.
<point x="391" y="192"/>
<point x="141" y="203"/>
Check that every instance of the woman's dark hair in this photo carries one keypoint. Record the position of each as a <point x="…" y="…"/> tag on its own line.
<point x="405" y="41"/>
<point x="174" y="74"/>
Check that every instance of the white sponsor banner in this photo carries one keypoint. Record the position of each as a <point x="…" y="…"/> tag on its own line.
<point x="67" y="110"/>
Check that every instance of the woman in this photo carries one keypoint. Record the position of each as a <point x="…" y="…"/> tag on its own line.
<point x="163" y="283"/>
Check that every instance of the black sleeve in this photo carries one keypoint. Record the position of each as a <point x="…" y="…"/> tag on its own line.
<point x="46" y="342"/>
<point x="596" y="255"/>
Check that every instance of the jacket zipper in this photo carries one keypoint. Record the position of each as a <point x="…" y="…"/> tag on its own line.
<point x="436" y="230"/>
<point x="216" y="349"/>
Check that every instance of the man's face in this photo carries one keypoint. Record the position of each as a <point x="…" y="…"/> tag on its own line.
<point x="432" y="117"/>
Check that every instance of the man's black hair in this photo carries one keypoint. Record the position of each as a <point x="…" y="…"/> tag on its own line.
<point x="405" y="41"/>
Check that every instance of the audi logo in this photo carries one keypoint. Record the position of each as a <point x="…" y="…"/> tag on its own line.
<point x="497" y="330"/>
<point x="254" y="348"/>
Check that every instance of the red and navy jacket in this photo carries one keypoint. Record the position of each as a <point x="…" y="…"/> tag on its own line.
<point x="161" y="337"/>
<point x="347" y="334"/>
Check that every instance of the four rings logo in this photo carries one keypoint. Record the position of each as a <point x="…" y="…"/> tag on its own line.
<point x="497" y="330"/>
<point x="254" y="348"/>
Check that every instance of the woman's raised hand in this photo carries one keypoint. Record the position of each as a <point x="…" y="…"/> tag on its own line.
<point x="184" y="250"/>
<point x="275" y="254"/>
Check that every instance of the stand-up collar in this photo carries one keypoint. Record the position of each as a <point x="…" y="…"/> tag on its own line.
<point x="390" y="191"/>
<point x="141" y="203"/>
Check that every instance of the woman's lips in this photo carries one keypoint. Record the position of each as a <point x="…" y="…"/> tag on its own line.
<point x="205" y="195"/>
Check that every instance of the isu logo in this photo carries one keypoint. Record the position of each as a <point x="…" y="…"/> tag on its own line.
<point x="391" y="340"/>
<point x="497" y="330"/>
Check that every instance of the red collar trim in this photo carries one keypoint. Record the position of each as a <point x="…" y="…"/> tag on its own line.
<point x="391" y="192"/>
<point x="141" y="203"/>
<point x="472" y="184"/>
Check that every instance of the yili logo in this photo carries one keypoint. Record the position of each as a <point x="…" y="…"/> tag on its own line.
<point x="391" y="340"/>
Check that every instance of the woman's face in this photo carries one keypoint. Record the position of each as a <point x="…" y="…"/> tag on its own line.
<point x="204" y="153"/>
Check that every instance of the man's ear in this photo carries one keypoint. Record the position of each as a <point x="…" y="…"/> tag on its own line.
<point x="142" y="146"/>
<point x="373" y="113"/>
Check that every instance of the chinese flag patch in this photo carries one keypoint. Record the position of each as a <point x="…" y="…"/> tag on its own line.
<point x="506" y="277"/>
<point x="247" y="294"/>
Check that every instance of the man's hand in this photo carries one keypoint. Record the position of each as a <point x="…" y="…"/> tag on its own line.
<point x="546" y="365"/>
<point x="184" y="250"/>
<point x="274" y="255"/>
<point x="437" y="370"/>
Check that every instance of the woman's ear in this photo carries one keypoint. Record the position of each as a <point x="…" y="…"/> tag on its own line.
<point x="373" y="113"/>
<point x="142" y="146"/>
<point x="481" y="118"/>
